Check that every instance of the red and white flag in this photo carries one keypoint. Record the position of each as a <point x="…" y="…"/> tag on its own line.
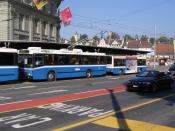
<point x="66" y="16"/>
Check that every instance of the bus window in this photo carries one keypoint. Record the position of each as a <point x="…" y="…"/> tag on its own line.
<point x="7" y="59"/>
<point x="39" y="61"/>
<point x="25" y="61"/>
<point x="141" y="62"/>
<point x="119" y="62"/>
<point x="109" y="59"/>
<point x="74" y="60"/>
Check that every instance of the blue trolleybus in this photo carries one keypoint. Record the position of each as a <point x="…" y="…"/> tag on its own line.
<point x="118" y="65"/>
<point x="45" y="64"/>
<point x="8" y="65"/>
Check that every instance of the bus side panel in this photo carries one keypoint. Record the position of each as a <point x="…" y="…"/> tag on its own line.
<point x="117" y="71"/>
<point x="67" y="71"/>
<point x="141" y="68"/>
<point x="97" y="70"/>
<point x="8" y="74"/>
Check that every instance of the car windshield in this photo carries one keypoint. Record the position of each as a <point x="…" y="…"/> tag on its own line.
<point x="148" y="74"/>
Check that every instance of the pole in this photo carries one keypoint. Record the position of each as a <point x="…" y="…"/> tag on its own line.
<point x="154" y="46"/>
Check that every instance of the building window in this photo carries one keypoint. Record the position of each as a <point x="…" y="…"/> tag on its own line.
<point x="21" y="22"/>
<point x="44" y="28"/>
<point x="16" y="21"/>
<point x="36" y="26"/>
<point x="51" y="31"/>
<point x="27" y="23"/>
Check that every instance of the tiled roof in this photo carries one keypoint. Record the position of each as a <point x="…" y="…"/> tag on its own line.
<point x="139" y="44"/>
<point x="164" y="49"/>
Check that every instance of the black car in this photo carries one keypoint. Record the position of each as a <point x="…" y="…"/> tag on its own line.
<point x="171" y="71"/>
<point x="150" y="80"/>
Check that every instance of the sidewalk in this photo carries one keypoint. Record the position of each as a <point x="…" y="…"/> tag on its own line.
<point x="159" y="68"/>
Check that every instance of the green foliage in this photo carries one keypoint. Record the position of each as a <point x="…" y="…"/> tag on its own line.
<point x="163" y="39"/>
<point x="84" y="37"/>
<point x="152" y="40"/>
<point x="73" y="40"/>
<point x="96" y="38"/>
<point x="113" y="36"/>
<point x="127" y="38"/>
<point x="144" y="37"/>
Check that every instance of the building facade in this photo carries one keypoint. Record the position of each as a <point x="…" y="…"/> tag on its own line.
<point x="21" y="20"/>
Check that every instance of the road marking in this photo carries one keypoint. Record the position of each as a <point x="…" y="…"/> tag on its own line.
<point x="131" y="125"/>
<point x="56" y="99"/>
<point x="2" y="98"/>
<point x="14" y="102"/>
<point x="48" y="92"/>
<point x="102" y="82"/>
<point x="18" y="88"/>
<point x="113" y="113"/>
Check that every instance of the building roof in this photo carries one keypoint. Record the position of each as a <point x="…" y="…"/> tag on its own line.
<point x="139" y="44"/>
<point x="164" y="49"/>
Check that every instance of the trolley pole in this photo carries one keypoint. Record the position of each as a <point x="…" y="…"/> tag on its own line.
<point x="154" y="46"/>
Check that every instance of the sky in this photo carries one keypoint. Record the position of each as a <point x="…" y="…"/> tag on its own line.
<point x="121" y="16"/>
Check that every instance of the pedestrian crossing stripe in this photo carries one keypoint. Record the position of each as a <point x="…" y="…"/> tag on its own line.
<point x="132" y="125"/>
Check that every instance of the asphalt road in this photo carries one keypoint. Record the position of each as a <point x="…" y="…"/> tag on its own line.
<point x="100" y="103"/>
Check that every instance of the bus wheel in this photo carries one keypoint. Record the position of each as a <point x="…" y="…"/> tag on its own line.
<point x="88" y="74"/>
<point x="120" y="72"/>
<point x="51" y="76"/>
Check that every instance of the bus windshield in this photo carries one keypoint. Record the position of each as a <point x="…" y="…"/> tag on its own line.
<point x="25" y="61"/>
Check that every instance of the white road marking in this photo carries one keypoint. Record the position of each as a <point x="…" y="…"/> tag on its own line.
<point x="102" y="82"/>
<point x="18" y="88"/>
<point x="54" y="91"/>
<point x="14" y="102"/>
<point x="4" y="98"/>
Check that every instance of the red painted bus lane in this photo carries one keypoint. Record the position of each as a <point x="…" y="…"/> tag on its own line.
<point x="45" y="101"/>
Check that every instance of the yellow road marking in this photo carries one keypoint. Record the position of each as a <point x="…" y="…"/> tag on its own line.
<point x="112" y="113"/>
<point x="131" y="125"/>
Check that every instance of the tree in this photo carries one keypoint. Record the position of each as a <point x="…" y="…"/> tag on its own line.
<point x="96" y="38"/>
<point x="163" y="39"/>
<point x="136" y="37"/>
<point x="143" y="37"/>
<point x="127" y="38"/>
<point x="84" y="37"/>
<point x="73" y="40"/>
<point x="152" y="40"/>
<point x="113" y="36"/>
<point x="171" y="40"/>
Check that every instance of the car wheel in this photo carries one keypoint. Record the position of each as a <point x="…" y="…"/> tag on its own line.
<point x="51" y="76"/>
<point x="154" y="88"/>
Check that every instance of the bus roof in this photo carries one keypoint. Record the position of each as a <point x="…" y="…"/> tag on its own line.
<point x="38" y="50"/>
<point x="8" y="50"/>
